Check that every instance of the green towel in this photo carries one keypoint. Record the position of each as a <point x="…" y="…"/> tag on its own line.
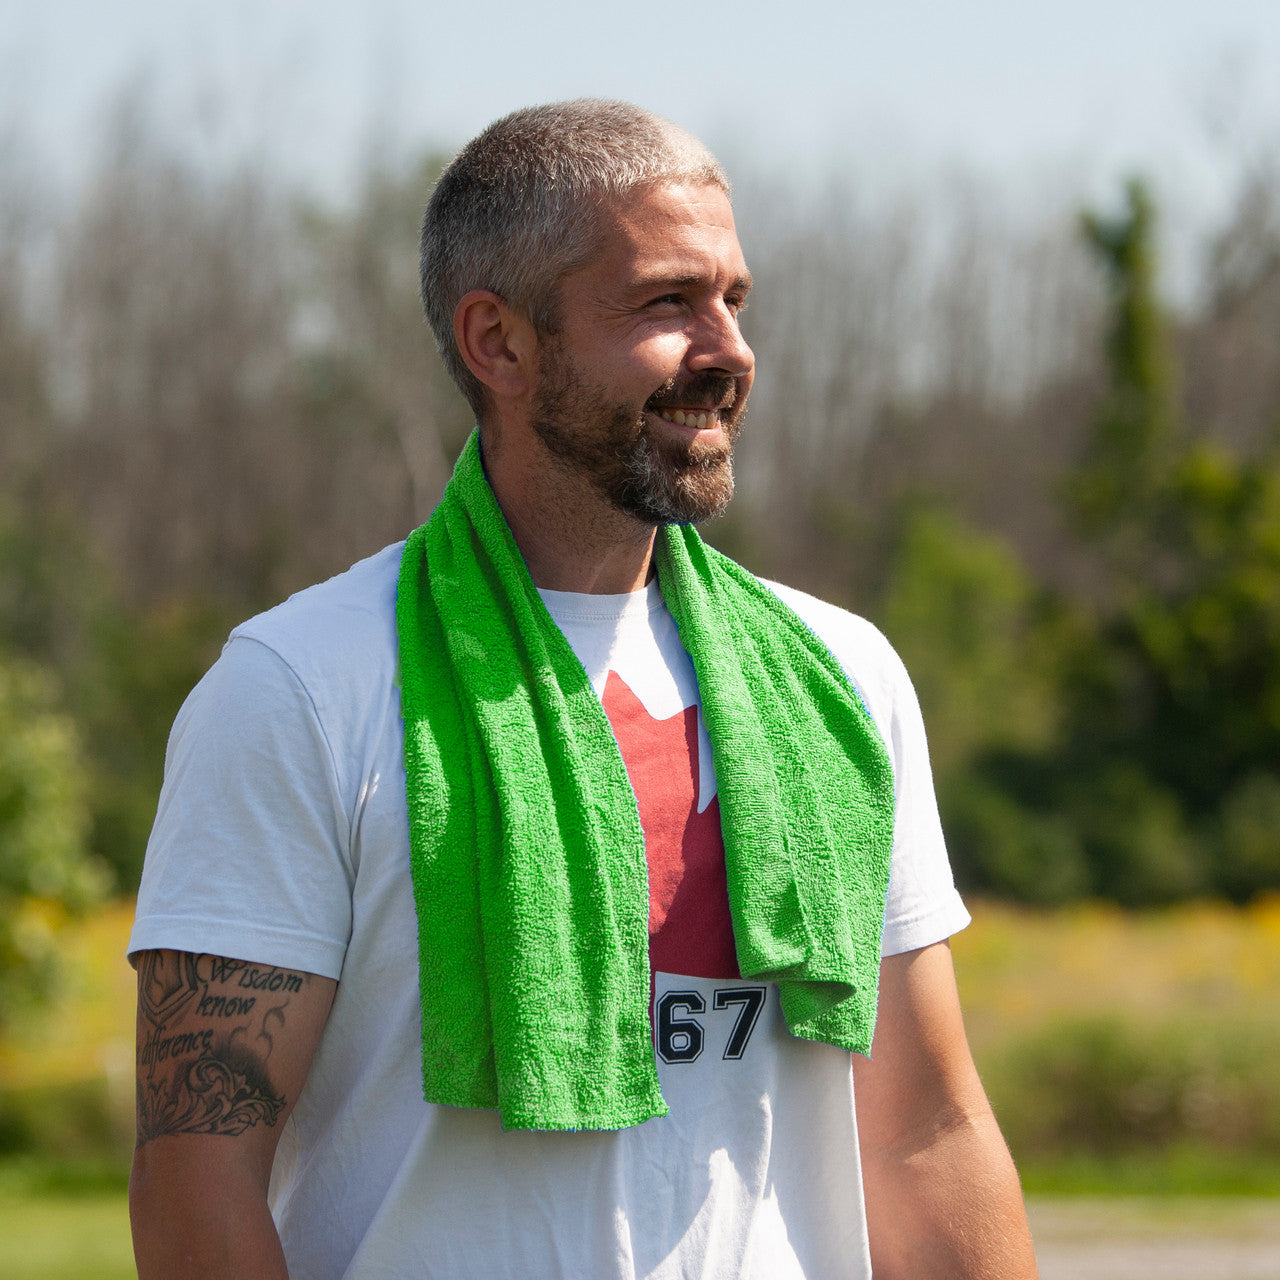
<point x="527" y="855"/>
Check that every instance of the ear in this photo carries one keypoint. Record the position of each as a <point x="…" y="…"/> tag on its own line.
<point x="497" y="343"/>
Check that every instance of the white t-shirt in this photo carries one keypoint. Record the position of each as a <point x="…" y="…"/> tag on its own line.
<point x="282" y="838"/>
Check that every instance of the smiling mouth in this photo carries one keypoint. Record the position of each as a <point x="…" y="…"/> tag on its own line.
<point x="703" y="401"/>
<point x="700" y="418"/>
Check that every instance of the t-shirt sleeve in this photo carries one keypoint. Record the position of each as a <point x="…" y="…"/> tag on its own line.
<point x="250" y="855"/>
<point x="923" y="905"/>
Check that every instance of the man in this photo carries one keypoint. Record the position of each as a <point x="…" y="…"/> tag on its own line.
<point x="402" y="852"/>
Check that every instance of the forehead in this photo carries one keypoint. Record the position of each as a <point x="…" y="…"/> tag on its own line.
<point x="669" y="232"/>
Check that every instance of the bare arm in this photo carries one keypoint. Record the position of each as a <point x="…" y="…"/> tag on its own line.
<point x="223" y="1050"/>
<point x="943" y="1198"/>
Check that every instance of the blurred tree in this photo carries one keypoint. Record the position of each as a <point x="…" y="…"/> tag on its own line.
<point x="972" y="626"/>
<point x="370" y="361"/>
<point x="45" y="867"/>
<point x="232" y="396"/>
<point x="1117" y="486"/>
<point x="1170" y="762"/>
<point x="1126" y="743"/>
<point x="1195" y="671"/>
<point x="140" y="664"/>
<point x="986" y="646"/>
<point x="213" y="393"/>
<point x="1231" y="347"/>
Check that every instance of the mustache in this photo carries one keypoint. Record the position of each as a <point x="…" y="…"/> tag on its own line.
<point x="701" y="391"/>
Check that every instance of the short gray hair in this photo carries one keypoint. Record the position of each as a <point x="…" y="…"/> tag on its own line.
<point x="518" y="208"/>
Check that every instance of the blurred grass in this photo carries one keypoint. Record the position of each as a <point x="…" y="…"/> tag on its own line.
<point x="87" y="1031"/>
<point x="66" y="1125"/>
<point x="64" y="1235"/>
<point x="66" y="1071"/>
<point x="1130" y="1053"/>
<point x="1019" y="969"/>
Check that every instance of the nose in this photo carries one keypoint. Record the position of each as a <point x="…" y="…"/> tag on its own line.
<point x="717" y="344"/>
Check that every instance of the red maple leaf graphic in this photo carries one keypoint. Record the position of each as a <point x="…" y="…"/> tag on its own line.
<point x="690" y="929"/>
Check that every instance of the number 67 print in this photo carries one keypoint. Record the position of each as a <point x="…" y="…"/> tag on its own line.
<point x="681" y="1038"/>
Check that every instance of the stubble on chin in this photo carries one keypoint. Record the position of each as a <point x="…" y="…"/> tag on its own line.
<point x="652" y="478"/>
<point x="673" y="483"/>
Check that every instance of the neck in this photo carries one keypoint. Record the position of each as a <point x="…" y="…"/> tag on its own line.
<point x="571" y="538"/>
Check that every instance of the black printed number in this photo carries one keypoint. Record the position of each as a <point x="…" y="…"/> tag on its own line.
<point x="681" y="1038"/>
<point x="750" y="1001"/>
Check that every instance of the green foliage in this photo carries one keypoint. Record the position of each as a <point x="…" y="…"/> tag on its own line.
<point x="1039" y="805"/>
<point x="124" y="668"/>
<point x="1246" y="831"/>
<point x="1001" y="846"/>
<point x="1179" y="725"/>
<point x="1104" y="1086"/>
<point x="974" y="630"/>
<point x="1128" y="747"/>
<point x="142" y="664"/>
<point x="73" y="1120"/>
<point x="1135" y="834"/>
<point x="988" y="650"/>
<point x="1115" y="487"/>
<point x="1182" y="1169"/>
<point x="1204" y="649"/>
<point x="45" y="867"/>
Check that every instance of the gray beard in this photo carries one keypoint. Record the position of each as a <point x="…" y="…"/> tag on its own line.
<point x="652" y="480"/>
<point x="662" y="490"/>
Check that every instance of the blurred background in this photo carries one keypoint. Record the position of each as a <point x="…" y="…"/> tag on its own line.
<point x="1017" y="324"/>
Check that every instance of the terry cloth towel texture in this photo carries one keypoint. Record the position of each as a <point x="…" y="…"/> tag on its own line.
<point x="527" y="854"/>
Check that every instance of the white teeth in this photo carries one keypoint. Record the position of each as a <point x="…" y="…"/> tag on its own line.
<point x="690" y="419"/>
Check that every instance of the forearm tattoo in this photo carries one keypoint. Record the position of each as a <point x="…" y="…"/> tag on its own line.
<point x="206" y="1031"/>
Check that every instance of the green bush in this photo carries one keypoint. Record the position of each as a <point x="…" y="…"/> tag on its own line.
<point x="1105" y="1087"/>
<point x="45" y="866"/>
<point x="79" y="1121"/>
<point x="1002" y="845"/>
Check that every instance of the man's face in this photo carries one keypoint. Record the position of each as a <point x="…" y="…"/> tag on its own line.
<point x="644" y="383"/>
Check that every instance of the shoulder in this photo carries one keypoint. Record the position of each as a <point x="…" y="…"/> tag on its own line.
<point x="322" y="665"/>
<point x="284" y="727"/>
<point x="868" y="659"/>
<point x="337" y="634"/>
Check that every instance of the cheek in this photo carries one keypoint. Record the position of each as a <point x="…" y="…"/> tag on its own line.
<point x="660" y="359"/>
<point x="636" y="366"/>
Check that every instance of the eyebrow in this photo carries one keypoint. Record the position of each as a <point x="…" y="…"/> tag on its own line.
<point x="742" y="284"/>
